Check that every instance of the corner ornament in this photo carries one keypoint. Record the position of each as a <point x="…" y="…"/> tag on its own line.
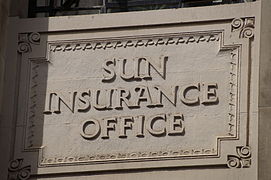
<point x="242" y="159"/>
<point x="26" y="40"/>
<point x="245" y="27"/>
<point x="17" y="171"/>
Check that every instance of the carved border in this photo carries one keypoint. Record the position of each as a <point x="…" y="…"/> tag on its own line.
<point x="32" y="117"/>
<point x="145" y="41"/>
<point x="245" y="30"/>
<point x="26" y="42"/>
<point x="133" y="42"/>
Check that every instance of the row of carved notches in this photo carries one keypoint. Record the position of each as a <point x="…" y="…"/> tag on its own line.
<point x="126" y="43"/>
<point x="128" y="156"/>
<point x="233" y="95"/>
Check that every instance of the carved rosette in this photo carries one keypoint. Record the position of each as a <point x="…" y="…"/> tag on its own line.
<point x="17" y="171"/>
<point x="242" y="159"/>
<point x="245" y="27"/>
<point x="26" y="40"/>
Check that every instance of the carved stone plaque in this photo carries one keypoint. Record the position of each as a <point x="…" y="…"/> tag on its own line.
<point x="167" y="97"/>
<point x="138" y="99"/>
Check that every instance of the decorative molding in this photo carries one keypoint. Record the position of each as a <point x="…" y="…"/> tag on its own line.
<point x="134" y="42"/>
<point x="32" y="104"/>
<point x="17" y="171"/>
<point x="233" y="93"/>
<point x="26" y="40"/>
<point x="128" y="42"/>
<point x="128" y="156"/>
<point x="242" y="159"/>
<point x="245" y="27"/>
<point x="148" y="41"/>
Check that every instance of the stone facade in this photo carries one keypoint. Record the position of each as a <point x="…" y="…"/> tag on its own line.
<point x="3" y="31"/>
<point x="264" y="93"/>
<point x="180" y="93"/>
<point x="3" y="19"/>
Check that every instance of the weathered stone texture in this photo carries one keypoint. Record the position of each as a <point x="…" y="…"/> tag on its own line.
<point x="172" y="94"/>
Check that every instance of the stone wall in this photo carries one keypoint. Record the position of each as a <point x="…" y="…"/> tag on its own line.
<point x="4" y="5"/>
<point x="3" y="24"/>
<point x="256" y="99"/>
<point x="8" y="8"/>
<point x="264" y="93"/>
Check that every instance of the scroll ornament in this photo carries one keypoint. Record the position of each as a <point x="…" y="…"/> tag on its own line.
<point x="245" y="27"/>
<point x="26" y="41"/>
<point x="17" y="171"/>
<point x="242" y="159"/>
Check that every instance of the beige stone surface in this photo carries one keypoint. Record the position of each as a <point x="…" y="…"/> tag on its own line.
<point x="78" y="110"/>
<point x="168" y="85"/>
<point x="264" y="94"/>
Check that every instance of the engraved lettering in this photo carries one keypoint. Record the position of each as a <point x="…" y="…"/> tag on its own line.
<point x="83" y="102"/>
<point x="209" y="93"/>
<point x="48" y="105"/>
<point x="123" y="95"/>
<point x="143" y="94"/>
<point x="156" y="131"/>
<point x="161" y="68"/>
<point x="69" y="103"/>
<point x="175" y="125"/>
<point x="108" y="125"/>
<point x="109" y="73"/>
<point x="139" y="125"/>
<point x="172" y="99"/>
<point x="184" y="91"/>
<point x="99" y="99"/>
<point x="90" y="129"/>
<point x="124" y="124"/>
<point x="123" y="70"/>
